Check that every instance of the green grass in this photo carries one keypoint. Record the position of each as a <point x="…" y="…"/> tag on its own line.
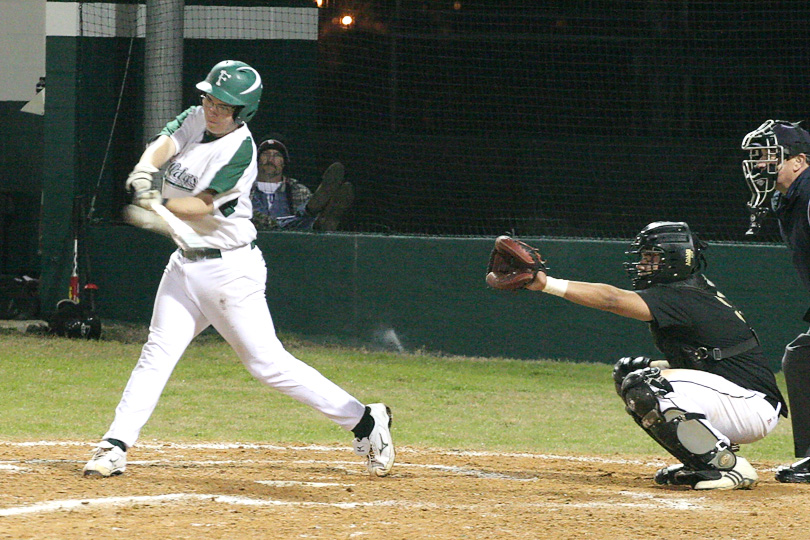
<point x="54" y="388"/>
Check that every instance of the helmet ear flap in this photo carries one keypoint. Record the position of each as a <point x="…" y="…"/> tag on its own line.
<point x="237" y="112"/>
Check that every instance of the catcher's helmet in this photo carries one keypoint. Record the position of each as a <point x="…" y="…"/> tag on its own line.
<point x="235" y="83"/>
<point x="768" y="146"/>
<point x="664" y="252"/>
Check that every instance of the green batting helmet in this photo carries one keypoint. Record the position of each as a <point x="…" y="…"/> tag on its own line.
<point x="235" y="83"/>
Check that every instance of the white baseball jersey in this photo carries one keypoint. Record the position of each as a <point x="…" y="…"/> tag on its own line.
<point x="226" y="165"/>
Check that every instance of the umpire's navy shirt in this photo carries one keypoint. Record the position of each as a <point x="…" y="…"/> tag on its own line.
<point x="794" y="224"/>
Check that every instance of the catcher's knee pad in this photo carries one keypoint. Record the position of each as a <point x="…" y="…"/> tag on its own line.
<point x="682" y="434"/>
<point x="640" y="390"/>
<point x="626" y="365"/>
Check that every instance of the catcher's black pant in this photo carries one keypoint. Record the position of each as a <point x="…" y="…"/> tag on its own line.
<point x="796" y="366"/>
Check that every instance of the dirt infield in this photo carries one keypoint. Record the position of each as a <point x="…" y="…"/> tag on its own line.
<point x="211" y="491"/>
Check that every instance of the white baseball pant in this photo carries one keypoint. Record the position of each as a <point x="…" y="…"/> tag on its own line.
<point x="228" y="293"/>
<point x="734" y="414"/>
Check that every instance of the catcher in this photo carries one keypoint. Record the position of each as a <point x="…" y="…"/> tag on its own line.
<point x="714" y="389"/>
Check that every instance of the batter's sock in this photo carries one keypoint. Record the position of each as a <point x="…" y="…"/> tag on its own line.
<point x="364" y="426"/>
<point x="119" y="444"/>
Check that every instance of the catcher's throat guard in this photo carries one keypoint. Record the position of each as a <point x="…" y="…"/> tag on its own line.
<point x="513" y="264"/>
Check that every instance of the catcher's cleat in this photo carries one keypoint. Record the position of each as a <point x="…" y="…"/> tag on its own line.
<point x="675" y="475"/>
<point x="798" y="473"/>
<point x="378" y="447"/>
<point x="107" y="460"/>
<point x="741" y="476"/>
<point x="332" y="179"/>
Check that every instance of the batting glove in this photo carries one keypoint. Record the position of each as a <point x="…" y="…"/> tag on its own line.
<point x="140" y="179"/>
<point x="146" y="198"/>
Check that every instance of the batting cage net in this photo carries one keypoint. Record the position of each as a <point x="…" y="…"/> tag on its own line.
<point x="477" y="117"/>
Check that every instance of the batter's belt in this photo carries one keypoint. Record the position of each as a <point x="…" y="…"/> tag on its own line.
<point x="200" y="254"/>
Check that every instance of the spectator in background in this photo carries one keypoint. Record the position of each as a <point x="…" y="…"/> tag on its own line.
<point x="282" y="202"/>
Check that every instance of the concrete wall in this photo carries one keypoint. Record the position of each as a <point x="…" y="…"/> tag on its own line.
<point x="23" y="44"/>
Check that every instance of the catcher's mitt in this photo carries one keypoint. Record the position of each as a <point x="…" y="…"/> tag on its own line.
<point x="513" y="264"/>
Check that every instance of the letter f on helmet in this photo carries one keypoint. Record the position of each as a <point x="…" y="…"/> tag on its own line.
<point x="223" y="76"/>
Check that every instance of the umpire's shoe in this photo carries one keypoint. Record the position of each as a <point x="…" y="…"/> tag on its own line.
<point x="378" y="447"/>
<point x="798" y="473"/>
<point x="107" y="460"/>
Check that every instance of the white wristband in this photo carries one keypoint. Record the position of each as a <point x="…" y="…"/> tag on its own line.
<point x="555" y="286"/>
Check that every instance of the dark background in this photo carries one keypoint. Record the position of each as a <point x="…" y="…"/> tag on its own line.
<point x="587" y="118"/>
<point x="580" y="119"/>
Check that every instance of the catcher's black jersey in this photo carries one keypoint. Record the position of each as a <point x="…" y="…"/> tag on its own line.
<point x="692" y="313"/>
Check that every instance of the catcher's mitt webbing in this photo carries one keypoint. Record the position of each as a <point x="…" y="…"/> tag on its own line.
<point x="513" y="264"/>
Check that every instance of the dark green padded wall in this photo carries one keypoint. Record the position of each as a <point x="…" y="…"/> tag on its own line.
<point x="20" y="189"/>
<point x="431" y="292"/>
<point x="59" y="175"/>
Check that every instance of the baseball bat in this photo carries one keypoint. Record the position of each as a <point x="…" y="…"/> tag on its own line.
<point x="73" y="288"/>
<point x="183" y="235"/>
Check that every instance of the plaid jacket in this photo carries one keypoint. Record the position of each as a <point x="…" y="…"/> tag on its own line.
<point x="290" y="199"/>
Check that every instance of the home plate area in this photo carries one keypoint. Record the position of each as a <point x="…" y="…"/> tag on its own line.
<point x="234" y="491"/>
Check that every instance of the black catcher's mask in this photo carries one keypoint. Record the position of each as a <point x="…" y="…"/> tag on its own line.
<point x="768" y="147"/>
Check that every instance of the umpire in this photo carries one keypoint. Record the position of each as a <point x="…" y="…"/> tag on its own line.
<point x="777" y="172"/>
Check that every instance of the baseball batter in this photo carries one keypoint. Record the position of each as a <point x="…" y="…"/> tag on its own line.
<point x="210" y="159"/>
<point x="713" y="392"/>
